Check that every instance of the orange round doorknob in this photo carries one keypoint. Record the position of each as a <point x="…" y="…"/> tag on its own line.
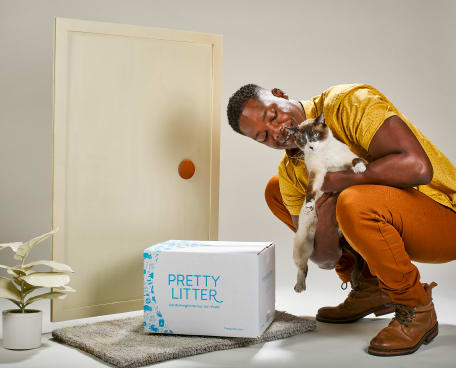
<point x="186" y="169"/>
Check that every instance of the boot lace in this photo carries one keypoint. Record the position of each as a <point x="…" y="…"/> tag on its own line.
<point x="352" y="294"/>
<point x="404" y="314"/>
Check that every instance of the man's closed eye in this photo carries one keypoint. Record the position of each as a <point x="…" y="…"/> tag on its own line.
<point x="263" y="137"/>
<point x="275" y="116"/>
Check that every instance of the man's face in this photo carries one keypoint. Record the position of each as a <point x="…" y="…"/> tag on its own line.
<point x="264" y="119"/>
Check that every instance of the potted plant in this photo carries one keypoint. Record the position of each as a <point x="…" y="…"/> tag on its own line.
<point x="22" y="327"/>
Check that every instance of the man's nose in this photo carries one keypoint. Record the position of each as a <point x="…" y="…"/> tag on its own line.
<point x="276" y="131"/>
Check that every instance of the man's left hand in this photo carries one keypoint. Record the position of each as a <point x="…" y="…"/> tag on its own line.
<point x="337" y="181"/>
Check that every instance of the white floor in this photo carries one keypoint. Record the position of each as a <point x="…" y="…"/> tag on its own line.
<point x="329" y="345"/>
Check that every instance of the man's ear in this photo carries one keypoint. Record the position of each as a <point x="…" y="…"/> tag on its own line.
<point x="279" y="93"/>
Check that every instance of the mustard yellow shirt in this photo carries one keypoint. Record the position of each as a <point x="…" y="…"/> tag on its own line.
<point x="354" y="113"/>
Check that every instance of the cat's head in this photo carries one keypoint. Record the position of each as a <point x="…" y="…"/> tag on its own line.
<point x="311" y="134"/>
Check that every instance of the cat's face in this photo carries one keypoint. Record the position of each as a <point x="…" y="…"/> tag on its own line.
<point x="311" y="134"/>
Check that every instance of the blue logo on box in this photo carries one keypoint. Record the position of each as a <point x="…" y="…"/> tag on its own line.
<point x="152" y="315"/>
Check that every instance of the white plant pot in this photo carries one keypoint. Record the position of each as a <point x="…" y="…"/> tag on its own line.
<point x="22" y="330"/>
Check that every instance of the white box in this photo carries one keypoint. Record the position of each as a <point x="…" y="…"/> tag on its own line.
<point x="214" y="288"/>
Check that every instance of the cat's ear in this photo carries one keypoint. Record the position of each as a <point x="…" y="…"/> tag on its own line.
<point x="321" y="120"/>
<point x="292" y="129"/>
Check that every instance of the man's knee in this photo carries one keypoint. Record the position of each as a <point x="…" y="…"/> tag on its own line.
<point x="349" y="201"/>
<point x="272" y="191"/>
<point x="360" y="202"/>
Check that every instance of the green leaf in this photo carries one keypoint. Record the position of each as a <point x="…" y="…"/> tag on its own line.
<point x="8" y="290"/>
<point x="58" y="267"/>
<point x="50" y="295"/>
<point x="24" y="286"/>
<point x="65" y="289"/>
<point x="15" y="302"/>
<point x="47" y="279"/>
<point x="16" y="272"/>
<point x="23" y="250"/>
<point x="32" y="288"/>
<point x="13" y="246"/>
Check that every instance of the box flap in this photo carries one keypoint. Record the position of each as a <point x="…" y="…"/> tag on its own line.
<point x="266" y="247"/>
<point x="200" y="246"/>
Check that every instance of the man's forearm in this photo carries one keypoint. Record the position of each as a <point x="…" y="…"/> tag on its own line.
<point x="399" y="170"/>
<point x="398" y="158"/>
<point x="327" y="251"/>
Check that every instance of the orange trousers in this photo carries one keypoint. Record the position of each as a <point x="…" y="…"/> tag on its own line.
<point x="389" y="227"/>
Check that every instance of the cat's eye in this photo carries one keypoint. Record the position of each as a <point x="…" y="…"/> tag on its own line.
<point x="315" y="135"/>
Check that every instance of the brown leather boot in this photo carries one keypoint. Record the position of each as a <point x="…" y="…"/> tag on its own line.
<point x="411" y="327"/>
<point x="364" y="298"/>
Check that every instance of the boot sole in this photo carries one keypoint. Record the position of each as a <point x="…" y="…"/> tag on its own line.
<point x="426" y="339"/>
<point x="378" y="311"/>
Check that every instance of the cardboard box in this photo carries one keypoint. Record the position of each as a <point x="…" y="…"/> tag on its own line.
<point x="213" y="288"/>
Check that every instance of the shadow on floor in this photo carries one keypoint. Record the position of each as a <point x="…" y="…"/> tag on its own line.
<point x="329" y="345"/>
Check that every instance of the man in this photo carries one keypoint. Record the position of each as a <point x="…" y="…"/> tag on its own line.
<point x="401" y="209"/>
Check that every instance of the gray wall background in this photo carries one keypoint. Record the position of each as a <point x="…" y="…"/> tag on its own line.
<point x="404" y="48"/>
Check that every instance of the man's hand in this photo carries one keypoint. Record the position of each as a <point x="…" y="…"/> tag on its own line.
<point x="336" y="182"/>
<point x="327" y="251"/>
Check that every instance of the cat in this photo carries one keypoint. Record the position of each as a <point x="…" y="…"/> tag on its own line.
<point x="322" y="153"/>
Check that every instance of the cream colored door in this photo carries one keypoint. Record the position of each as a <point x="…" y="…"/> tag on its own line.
<point x="130" y="104"/>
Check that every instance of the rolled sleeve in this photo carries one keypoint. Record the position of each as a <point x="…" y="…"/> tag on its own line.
<point x="363" y="112"/>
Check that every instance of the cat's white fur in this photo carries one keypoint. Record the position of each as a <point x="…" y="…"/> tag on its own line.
<point x="320" y="157"/>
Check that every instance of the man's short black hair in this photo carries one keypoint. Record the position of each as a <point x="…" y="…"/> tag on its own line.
<point x="237" y="102"/>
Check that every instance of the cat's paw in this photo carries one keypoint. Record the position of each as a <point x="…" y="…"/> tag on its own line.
<point x="300" y="286"/>
<point x="309" y="206"/>
<point x="359" y="167"/>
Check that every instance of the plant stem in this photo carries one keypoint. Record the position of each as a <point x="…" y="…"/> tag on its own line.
<point x="22" y="289"/>
<point x="22" y="297"/>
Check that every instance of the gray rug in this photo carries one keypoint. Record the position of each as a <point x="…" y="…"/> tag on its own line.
<point x="123" y="342"/>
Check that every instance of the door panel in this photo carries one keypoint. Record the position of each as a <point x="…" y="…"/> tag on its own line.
<point x="130" y="104"/>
